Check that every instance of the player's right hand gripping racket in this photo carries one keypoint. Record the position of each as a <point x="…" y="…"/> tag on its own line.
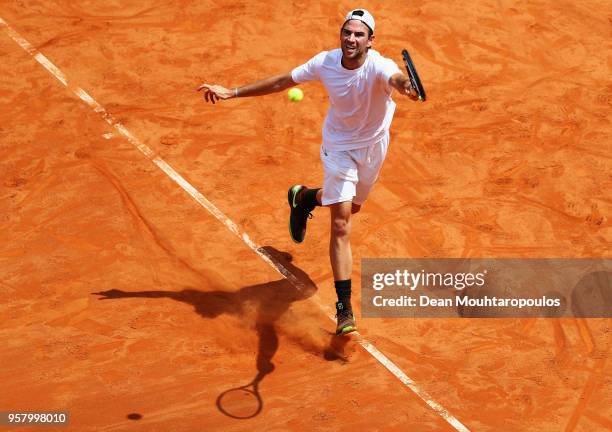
<point x="414" y="76"/>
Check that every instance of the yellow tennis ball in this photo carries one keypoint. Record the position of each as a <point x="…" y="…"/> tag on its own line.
<point x="295" y="95"/>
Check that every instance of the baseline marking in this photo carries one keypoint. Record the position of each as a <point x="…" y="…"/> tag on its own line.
<point x="231" y="226"/>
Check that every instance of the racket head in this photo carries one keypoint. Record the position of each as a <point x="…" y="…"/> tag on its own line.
<point x="240" y="402"/>
<point x="414" y="76"/>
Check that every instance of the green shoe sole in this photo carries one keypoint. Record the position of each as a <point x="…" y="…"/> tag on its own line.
<point x="346" y="330"/>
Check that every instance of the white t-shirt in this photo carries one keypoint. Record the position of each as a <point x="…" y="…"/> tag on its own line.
<point x="361" y="108"/>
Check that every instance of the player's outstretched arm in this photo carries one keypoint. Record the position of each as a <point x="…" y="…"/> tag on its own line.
<point x="402" y="84"/>
<point x="273" y="84"/>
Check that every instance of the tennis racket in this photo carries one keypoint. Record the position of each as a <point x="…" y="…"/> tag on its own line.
<point x="414" y="76"/>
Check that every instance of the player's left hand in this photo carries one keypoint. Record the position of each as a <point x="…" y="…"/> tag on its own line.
<point x="213" y="93"/>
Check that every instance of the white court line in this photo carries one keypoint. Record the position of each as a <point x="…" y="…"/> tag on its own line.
<point x="201" y="199"/>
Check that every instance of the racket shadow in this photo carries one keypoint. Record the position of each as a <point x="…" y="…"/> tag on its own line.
<point x="242" y="402"/>
<point x="270" y="301"/>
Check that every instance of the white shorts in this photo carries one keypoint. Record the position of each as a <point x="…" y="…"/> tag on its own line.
<point x="350" y="174"/>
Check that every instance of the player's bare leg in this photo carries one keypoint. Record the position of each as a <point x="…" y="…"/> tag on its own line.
<point x="340" y="245"/>
<point x="341" y="258"/>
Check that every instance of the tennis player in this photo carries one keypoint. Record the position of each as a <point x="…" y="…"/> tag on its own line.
<point x="359" y="82"/>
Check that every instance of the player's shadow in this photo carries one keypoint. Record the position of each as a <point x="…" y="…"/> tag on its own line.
<point x="267" y="302"/>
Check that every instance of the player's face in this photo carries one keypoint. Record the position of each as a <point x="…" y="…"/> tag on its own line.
<point x="354" y="40"/>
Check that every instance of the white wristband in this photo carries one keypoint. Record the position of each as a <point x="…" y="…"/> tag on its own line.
<point x="236" y="92"/>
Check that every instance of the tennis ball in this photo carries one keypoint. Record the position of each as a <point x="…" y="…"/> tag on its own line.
<point x="295" y="95"/>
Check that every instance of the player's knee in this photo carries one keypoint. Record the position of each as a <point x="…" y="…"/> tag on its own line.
<point x="340" y="227"/>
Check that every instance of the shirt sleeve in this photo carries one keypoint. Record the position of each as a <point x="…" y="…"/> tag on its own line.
<point x="309" y="71"/>
<point x="386" y="69"/>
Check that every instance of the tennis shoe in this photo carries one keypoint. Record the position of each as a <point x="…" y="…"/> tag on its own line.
<point x="346" y="319"/>
<point x="299" y="215"/>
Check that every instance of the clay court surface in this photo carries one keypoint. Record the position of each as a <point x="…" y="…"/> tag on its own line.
<point x="509" y="157"/>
